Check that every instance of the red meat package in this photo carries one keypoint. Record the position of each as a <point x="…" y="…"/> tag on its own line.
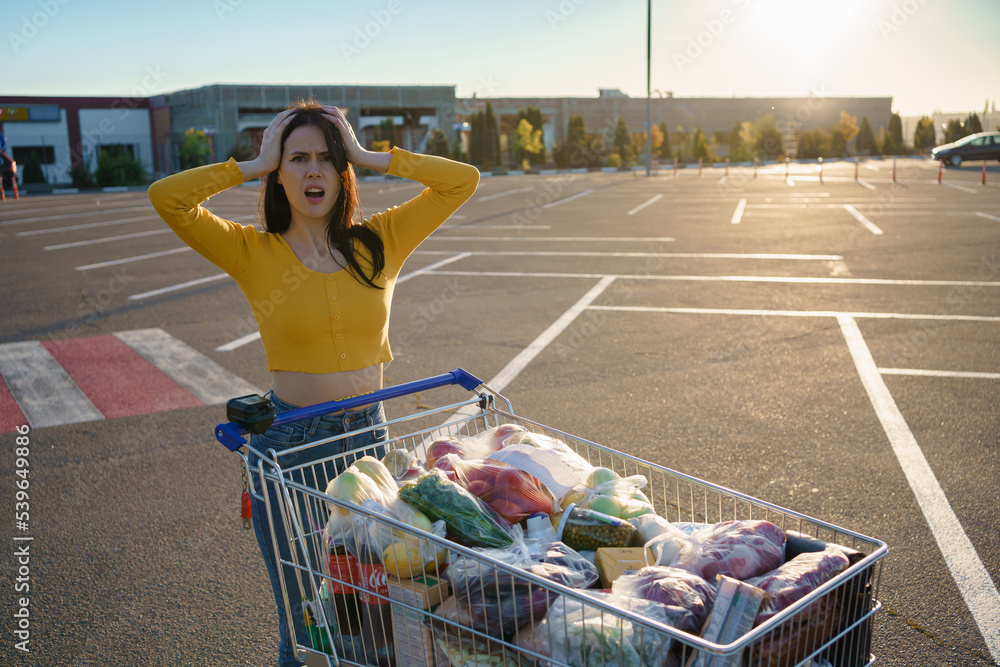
<point x="513" y="494"/>
<point x="737" y="549"/>
<point x="812" y="626"/>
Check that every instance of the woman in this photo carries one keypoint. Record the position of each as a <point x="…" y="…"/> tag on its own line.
<point x="325" y="277"/>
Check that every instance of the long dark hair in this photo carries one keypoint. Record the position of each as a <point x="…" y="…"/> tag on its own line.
<point x="345" y="225"/>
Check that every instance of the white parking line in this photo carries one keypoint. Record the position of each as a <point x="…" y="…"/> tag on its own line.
<point x="865" y="184"/>
<point x="988" y="216"/>
<point x="960" y="188"/>
<point x="177" y="287"/>
<point x="645" y="204"/>
<point x="559" y="239"/>
<point x="738" y="213"/>
<point x="973" y="581"/>
<point x="61" y="216"/>
<point x="799" y="313"/>
<point x="129" y="260"/>
<point x="89" y="225"/>
<point x="804" y="280"/>
<point x="504" y="194"/>
<point x="514" y="367"/>
<point x="868" y="224"/>
<point x="972" y="375"/>
<point x="107" y="239"/>
<point x="566" y="199"/>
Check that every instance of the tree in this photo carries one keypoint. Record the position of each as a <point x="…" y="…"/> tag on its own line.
<point x="737" y="145"/>
<point x="848" y="129"/>
<point x="815" y="143"/>
<point x="924" y="136"/>
<point x="666" y="150"/>
<point x="484" y="143"/>
<point x="385" y="134"/>
<point x="534" y="116"/>
<point x="703" y="147"/>
<point x="576" y="151"/>
<point x="194" y="151"/>
<point x="657" y="139"/>
<point x="33" y="170"/>
<point x="973" y="123"/>
<point x="895" y="135"/>
<point x="437" y="143"/>
<point x="528" y="142"/>
<point x="766" y="139"/>
<point x="623" y="140"/>
<point x="956" y="130"/>
<point x="865" y="144"/>
<point x="492" y="135"/>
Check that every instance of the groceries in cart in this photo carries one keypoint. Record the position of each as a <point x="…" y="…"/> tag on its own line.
<point x="508" y="547"/>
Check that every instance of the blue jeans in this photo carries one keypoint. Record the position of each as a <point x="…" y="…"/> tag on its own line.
<point x="285" y="436"/>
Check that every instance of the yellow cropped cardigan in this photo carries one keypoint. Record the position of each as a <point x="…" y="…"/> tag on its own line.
<point x="309" y="321"/>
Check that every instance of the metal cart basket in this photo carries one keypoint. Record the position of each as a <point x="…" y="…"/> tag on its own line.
<point x="831" y="626"/>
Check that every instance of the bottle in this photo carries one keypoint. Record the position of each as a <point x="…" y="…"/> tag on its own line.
<point x="344" y="598"/>
<point x="376" y="612"/>
<point x="540" y="528"/>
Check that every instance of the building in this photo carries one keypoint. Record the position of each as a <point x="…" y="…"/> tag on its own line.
<point x="64" y="133"/>
<point x="67" y="133"/>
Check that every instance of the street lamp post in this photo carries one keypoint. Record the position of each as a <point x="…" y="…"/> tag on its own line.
<point x="649" y="48"/>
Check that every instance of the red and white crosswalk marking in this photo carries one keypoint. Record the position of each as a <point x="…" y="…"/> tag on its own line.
<point x="75" y="380"/>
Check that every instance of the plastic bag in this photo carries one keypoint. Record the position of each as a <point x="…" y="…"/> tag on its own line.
<point x="737" y="549"/>
<point x="673" y="587"/>
<point x="580" y="635"/>
<point x="649" y="526"/>
<point x="547" y="459"/>
<point x="798" y="577"/>
<point x="497" y="601"/>
<point x="470" y="521"/>
<point x="668" y="544"/>
<point x="603" y="490"/>
<point x="472" y="447"/>
<point x="368" y="484"/>
<point x="513" y="494"/>
<point x="810" y="628"/>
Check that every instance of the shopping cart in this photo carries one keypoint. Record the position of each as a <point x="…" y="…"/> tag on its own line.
<point x="829" y="627"/>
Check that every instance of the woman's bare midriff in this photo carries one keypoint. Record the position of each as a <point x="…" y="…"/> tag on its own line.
<point x="304" y="389"/>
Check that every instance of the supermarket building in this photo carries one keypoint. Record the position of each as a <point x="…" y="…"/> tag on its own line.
<point x="68" y="132"/>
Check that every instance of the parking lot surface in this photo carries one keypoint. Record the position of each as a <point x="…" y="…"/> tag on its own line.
<point x="823" y="341"/>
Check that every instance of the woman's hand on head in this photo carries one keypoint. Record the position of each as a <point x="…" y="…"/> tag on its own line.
<point x="269" y="157"/>
<point x="356" y="153"/>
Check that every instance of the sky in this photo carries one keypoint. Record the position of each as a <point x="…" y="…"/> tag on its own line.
<point x="928" y="55"/>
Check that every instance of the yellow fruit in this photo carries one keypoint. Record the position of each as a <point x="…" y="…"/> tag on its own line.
<point x="402" y="560"/>
<point x="434" y="566"/>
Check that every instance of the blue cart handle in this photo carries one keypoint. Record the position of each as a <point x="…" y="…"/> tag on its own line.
<point x="231" y="434"/>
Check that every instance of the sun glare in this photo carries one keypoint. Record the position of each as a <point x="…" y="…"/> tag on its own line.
<point x="807" y="25"/>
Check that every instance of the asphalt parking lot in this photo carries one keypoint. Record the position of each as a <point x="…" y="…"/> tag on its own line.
<point x="819" y="341"/>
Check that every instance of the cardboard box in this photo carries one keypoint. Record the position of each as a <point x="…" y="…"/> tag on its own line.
<point x="412" y="640"/>
<point x="613" y="562"/>
<point x="732" y="616"/>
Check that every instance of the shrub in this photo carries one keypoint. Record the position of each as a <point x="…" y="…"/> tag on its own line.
<point x="33" y="170"/>
<point x="116" y="167"/>
<point x="194" y="151"/>
<point x="82" y="178"/>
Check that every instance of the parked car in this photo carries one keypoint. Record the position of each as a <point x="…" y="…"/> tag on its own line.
<point x="981" y="146"/>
